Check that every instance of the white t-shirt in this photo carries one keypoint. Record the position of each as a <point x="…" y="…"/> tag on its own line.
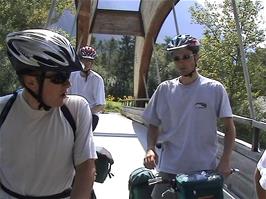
<point x="262" y="169"/>
<point x="92" y="88"/>
<point x="187" y="116"/>
<point x="37" y="147"/>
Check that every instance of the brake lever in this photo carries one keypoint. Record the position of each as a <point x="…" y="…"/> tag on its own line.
<point x="235" y="170"/>
<point x="170" y="190"/>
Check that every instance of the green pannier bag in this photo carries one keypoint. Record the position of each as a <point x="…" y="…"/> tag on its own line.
<point x="138" y="183"/>
<point x="202" y="184"/>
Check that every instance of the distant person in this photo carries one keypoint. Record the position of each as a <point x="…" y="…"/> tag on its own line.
<point x="40" y="150"/>
<point x="260" y="177"/>
<point x="89" y="84"/>
<point x="182" y="115"/>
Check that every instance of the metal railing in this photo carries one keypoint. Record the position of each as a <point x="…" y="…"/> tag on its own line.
<point x="134" y="108"/>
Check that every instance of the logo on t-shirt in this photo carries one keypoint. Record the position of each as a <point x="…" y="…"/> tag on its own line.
<point x="200" y="105"/>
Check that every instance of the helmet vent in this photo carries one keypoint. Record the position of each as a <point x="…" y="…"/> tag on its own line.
<point x="45" y="62"/>
<point x="54" y="56"/>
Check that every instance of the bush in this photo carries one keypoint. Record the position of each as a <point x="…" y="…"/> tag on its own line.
<point x="112" y="106"/>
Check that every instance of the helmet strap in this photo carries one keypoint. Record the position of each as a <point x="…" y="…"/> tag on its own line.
<point x="38" y="96"/>
<point x="194" y="69"/>
<point x="191" y="73"/>
<point x="85" y="74"/>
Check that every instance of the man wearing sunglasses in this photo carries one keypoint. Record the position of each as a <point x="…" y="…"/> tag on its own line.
<point x="89" y="84"/>
<point x="182" y="116"/>
<point x="40" y="151"/>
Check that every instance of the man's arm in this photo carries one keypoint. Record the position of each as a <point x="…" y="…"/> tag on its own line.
<point x="84" y="178"/>
<point x="97" y="108"/>
<point x="229" y="140"/>
<point x="261" y="193"/>
<point x="151" y="157"/>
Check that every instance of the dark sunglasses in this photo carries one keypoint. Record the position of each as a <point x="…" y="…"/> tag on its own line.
<point x="185" y="57"/>
<point x="59" y="77"/>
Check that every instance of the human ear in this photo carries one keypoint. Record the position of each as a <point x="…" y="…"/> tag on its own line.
<point x="31" y="82"/>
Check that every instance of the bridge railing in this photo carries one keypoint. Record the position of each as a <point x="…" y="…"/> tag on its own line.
<point x="133" y="109"/>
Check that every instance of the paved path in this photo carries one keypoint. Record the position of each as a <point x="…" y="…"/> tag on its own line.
<point x="117" y="134"/>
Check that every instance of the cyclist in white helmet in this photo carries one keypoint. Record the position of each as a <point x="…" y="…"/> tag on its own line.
<point x="40" y="150"/>
<point x="186" y="109"/>
<point x="89" y="83"/>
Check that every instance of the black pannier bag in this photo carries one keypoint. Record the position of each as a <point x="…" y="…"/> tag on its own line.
<point x="103" y="164"/>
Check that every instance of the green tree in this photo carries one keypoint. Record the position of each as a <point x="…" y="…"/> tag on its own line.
<point x="220" y="54"/>
<point x="257" y="66"/>
<point x="162" y="60"/>
<point x="107" y="51"/>
<point x="18" y="15"/>
<point x="124" y="68"/>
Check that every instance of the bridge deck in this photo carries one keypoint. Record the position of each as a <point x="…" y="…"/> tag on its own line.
<point x="117" y="134"/>
<point x="125" y="139"/>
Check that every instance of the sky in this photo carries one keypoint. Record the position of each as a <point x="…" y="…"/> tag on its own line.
<point x="185" y="25"/>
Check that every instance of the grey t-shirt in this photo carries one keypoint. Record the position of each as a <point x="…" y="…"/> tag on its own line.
<point x="187" y="116"/>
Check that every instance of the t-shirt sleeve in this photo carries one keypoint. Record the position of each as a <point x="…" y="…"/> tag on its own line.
<point x="99" y="92"/>
<point x="224" y="107"/>
<point x="150" y="112"/>
<point x="84" y="147"/>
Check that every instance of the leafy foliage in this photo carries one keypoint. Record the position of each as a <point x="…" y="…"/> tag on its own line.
<point x="115" y="63"/>
<point x="112" y="106"/>
<point x="220" y="54"/>
<point x="19" y="15"/>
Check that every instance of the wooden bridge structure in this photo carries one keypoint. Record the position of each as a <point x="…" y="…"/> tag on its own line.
<point x="144" y="24"/>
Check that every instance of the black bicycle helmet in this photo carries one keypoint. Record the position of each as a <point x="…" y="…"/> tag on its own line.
<point x="184" y="41"/>
<point x="41" y="50"/>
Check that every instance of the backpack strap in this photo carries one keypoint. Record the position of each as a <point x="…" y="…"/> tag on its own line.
<point x="63" y="108"/>
<point x="69" y="118"/>
<point x="7" y="107"/>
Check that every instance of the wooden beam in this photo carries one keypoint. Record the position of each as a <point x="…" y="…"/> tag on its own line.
<point x="153" y="15"/>
<point x="84" y="20"/>
<point x="117" y="22"/>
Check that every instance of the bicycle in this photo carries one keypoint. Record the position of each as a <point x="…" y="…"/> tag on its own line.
<point x="205" y="184"/>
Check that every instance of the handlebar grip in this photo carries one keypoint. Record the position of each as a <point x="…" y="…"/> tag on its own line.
<point x="155" y="180"/>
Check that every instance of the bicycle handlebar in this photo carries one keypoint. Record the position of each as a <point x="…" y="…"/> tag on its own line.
<point x="159" y="179"/>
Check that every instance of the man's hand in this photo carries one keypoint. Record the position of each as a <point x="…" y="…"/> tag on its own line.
<point x="224" y="168"/>
<point x="98" y="108"/>
<point x="150" y="159"/>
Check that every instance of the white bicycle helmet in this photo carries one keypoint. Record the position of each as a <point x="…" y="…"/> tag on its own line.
<point x="41" y="50"/>
<point x="87" y="52"/>
<point x="184" y="41"/>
